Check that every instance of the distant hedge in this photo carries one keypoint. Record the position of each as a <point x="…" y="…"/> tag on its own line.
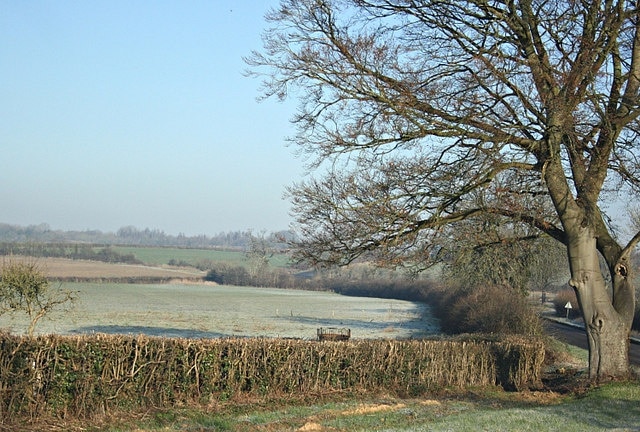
<point x="65" y="250"/>
<point x="84" y="376"/>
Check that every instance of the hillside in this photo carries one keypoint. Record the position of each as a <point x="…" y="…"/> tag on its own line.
<point x="83" y="270"/>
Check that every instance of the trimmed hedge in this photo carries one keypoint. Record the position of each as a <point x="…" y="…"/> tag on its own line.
<point x="84" y="376"/>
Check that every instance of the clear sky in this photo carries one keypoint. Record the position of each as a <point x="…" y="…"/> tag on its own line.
<point x="136" y="112"/>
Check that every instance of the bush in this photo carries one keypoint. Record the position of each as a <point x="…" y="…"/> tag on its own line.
<point x="214" y="276"/>
<point x="400" y="289"/>
<point x="487" y="309"/>
<point x="240" y="276"/>
<point x="25" y="288"/>
<point x="499" y="310"/>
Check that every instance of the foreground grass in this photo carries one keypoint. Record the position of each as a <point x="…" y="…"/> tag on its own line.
<point x="614" y="406"/>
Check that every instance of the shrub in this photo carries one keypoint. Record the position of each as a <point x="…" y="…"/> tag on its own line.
<point x="500" y="310"/>
<point x="240" y="276"/>
<point x="214" y="275"/>
<point x="25" y="288"/>
<point x="487" y="309"/>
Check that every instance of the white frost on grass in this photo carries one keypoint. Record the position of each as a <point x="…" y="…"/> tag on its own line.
<point x="187" y="310"/>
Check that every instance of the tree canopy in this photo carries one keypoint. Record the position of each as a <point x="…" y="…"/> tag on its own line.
<point x="424" y="114"/>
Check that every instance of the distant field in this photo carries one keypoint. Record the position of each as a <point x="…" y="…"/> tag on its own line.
<point x="162" y="255"/>
<point x="67" y="268"/>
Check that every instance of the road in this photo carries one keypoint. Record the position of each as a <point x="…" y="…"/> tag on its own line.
<point x="578" y="337"/>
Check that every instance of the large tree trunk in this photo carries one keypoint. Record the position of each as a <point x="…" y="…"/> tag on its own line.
<point x="608" y="313"/>
<point x="607" y="328"/>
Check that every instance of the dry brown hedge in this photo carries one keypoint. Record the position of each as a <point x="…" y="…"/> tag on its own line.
<point x="81" y="376"/>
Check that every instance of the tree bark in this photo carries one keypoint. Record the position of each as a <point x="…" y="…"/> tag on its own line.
<point x="607" y="313"/>
<point x="607" y="329"/>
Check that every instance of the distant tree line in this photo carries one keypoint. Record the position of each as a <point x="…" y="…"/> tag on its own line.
<point x="65" y="250"/>
<point x="225" y="274"/>
<point x="132" y="236"/>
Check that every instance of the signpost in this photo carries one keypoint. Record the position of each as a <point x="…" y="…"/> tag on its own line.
<point x="568" y="307"/>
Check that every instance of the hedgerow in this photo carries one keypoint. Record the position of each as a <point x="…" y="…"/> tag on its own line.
<point x="84" y="376"/>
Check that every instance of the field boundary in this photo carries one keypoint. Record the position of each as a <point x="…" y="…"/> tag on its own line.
<point x="81" y="376"/>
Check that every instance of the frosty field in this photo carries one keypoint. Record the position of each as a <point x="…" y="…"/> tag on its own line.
<point x="205" y="311"/>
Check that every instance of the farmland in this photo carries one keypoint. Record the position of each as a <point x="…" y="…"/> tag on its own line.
<point x="188" y="307"/>
<point x="162" y="255"/>
<point x="64" y="268"/>
<point x="204" y="310"/>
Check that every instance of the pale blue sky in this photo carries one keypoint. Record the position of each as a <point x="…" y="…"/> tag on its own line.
<point x="117" y="113"/>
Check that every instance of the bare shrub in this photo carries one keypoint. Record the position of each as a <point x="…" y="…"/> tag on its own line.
<point x="493" y="309"/>
<point x="486" y="309"/>
<point x="25" y="288"/>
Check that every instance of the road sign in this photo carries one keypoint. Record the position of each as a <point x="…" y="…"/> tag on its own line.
<point x="568" y="307"/>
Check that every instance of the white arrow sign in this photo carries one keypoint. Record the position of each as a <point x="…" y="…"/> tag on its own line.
<point x="568" y="307"/>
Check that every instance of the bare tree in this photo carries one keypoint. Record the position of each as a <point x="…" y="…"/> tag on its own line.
<point x="426" y="113"/>
<point x="258" y="256"/>
<point x="25" y="288"/>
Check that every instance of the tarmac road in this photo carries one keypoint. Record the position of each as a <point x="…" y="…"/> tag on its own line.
<point x="577" y="336"/>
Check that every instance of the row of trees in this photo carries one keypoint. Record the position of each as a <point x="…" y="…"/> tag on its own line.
<point x="65" y="250"/>
<point x="131" y="235"/>
<point x="225" y="274"/>
<point x="430" y="121"/>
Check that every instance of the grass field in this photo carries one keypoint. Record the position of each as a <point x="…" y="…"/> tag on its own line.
<point x="613" y="407"/>
<point x="162" y="255"/>
<point x="196" y="309"/>
<point x="203" y="310"/>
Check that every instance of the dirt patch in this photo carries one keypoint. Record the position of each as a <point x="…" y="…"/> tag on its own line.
<point x="312" y="427"/>
<point x="430" y="402"/>
<point x="563" y="381"/>
<point x="370" y="409"/>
